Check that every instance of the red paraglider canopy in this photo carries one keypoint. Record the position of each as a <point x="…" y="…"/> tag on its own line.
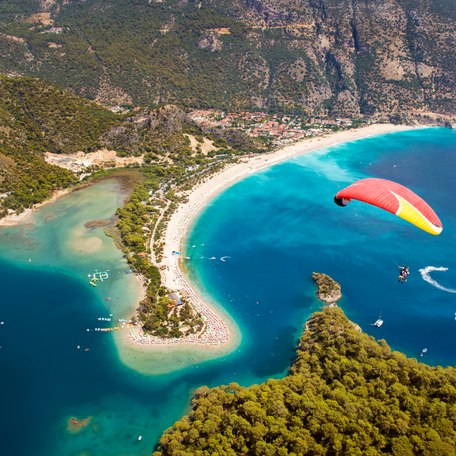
<point x="394" y="198"/>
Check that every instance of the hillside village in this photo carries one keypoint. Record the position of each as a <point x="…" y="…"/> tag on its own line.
<point x="274" y="129"/>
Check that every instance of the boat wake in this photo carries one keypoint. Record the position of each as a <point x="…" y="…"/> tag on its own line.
<point x="425" y="274"/>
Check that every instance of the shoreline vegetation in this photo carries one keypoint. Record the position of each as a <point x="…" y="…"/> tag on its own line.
<point x="207" y="329"/>
<point x="14" y="219"/>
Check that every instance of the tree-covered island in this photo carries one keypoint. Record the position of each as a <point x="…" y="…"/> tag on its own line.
<point x="328" y="290"/>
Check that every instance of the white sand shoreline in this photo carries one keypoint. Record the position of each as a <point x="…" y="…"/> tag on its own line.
<point x="222" y="334"/>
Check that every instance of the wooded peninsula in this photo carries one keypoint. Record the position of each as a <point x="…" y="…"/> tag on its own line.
<point x="346" y="394"/>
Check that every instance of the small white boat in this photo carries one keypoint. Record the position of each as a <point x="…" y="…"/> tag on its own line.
<point x="139" y="437"/>
<point x="379" y="321"/>
<point x="423" y="351"/>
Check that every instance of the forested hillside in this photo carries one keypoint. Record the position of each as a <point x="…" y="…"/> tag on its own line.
<point x="382" y="59"/>
<point x="346" y="394"/>
<point x="36" y="118"/>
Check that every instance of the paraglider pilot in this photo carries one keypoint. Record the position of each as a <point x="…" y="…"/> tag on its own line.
<point x="403" y="273"/>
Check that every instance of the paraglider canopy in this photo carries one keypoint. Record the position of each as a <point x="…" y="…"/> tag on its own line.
<point x="395" y="198"/>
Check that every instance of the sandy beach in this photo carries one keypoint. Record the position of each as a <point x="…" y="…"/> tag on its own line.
<point x="183" y="218"/>
<point x="221" y="335"/>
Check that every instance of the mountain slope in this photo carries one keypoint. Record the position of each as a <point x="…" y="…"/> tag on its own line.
<point x="37" y="118"/>
<point x="339" y="57"/>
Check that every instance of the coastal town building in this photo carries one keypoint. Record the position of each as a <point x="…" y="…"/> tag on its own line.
<point x="274" y="129"/>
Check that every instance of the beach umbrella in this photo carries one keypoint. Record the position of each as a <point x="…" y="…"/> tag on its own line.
<point x="395" y="198"/>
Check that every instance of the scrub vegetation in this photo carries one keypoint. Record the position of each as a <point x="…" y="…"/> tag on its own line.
<point x="37" y="118"/>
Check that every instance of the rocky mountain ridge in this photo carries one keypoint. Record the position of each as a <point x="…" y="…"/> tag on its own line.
<point x="382" y="59"/>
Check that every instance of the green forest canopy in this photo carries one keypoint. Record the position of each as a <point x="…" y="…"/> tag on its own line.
<point x="35" y="118"/>
<point x="346" y="394"/>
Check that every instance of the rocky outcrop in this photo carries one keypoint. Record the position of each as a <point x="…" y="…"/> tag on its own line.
<point x="145" y="127"/>
<point x="269" y="11"/>
<point x="329" y="291"/>
<point x="210" y="41"/>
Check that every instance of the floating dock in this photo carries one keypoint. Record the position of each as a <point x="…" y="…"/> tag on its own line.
<point x="98" y="276"/>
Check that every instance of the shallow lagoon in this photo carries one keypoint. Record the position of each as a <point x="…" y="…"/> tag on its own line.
<point x="47" y="307"/>
<point x="276" y="227"/>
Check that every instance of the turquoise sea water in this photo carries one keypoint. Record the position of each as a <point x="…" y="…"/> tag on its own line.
<point x="275" y="228"/>
<point x="279" y="226"/>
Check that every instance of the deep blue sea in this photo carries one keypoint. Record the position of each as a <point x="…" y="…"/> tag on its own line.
<point x="273" y="230"/>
